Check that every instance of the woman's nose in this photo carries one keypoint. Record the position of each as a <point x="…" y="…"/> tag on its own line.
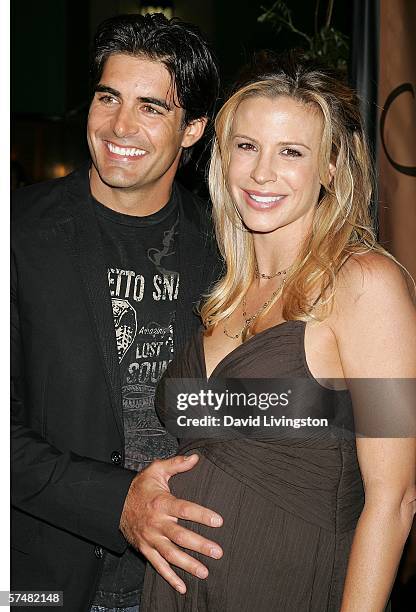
<point x="264" y="171"/>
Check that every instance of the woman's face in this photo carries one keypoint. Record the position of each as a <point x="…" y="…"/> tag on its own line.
<point x="273" y="174"/>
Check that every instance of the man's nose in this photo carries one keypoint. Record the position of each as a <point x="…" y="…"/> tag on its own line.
<point x="125" y="122"/>
<point x="264" y="170"/>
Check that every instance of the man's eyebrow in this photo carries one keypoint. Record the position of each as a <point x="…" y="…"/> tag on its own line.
<point x="146" y="100"/>
<point x="156" y="102"/>
<point x="107" y="89"/>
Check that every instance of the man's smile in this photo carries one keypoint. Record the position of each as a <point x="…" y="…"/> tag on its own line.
<point x="123" y="152"/>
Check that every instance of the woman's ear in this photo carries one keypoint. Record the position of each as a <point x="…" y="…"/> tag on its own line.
<point x="331" y="173"/>
<point x="332" y="169"/>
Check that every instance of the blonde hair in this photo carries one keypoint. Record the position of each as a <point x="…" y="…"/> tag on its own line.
<point x="341" y="224"/>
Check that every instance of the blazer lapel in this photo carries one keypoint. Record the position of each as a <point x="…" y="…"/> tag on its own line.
<point x="83" y="240"/>
<point x="193" y="254"/>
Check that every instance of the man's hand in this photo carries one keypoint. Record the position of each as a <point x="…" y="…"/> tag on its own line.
<point x="149" y="521"/>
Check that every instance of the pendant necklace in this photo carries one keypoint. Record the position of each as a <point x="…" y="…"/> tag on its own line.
<point x="249" y="320"/>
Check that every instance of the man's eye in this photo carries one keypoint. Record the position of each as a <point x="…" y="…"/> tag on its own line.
<point x="291" y="153"/>
<point x="151" y="110"/>
<point x="107" y="99"/>
<point x="246" y="146"/>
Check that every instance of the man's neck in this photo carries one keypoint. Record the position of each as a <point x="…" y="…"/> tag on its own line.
<point x="135" y="202"/>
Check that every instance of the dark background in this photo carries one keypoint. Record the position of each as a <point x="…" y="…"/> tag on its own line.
<point x="50" y="49"/>
<point x="50" y="42"/>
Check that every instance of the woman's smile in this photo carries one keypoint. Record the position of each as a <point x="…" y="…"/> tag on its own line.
<point x="263" y="201"/>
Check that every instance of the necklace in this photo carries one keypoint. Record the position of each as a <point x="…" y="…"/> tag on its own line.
<point x="269" y="276"/>
<point x="249" y="320"/>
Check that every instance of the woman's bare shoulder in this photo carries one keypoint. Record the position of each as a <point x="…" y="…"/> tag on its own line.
<point x="374" y="318"/>
<point x="371" y="278"/>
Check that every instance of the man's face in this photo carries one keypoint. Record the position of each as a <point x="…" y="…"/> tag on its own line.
<point x="135" y="130"/>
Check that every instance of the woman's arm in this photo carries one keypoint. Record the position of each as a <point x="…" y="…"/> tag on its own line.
<point x="375" y="326"/>
<point x="385" y="522"/>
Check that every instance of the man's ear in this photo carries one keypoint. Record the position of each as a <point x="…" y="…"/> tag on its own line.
<point x="193" y="132"/>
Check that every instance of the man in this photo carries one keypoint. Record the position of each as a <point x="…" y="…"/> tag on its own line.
<point x="107" y="266"/>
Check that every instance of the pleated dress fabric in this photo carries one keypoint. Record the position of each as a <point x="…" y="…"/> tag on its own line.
<point x="290" y="505"/>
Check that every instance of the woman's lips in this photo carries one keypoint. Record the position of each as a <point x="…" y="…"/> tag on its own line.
<point x="262" y="200"/>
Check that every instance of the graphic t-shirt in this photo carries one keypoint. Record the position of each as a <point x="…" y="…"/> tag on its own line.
<point x="142" y="266"/>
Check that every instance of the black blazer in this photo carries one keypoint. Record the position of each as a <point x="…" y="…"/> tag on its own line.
<point x="68" y="483"/>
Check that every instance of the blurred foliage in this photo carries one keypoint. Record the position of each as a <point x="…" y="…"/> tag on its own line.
<point x="325" y="44"/>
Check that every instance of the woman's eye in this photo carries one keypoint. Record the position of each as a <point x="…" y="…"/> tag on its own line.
<point x="246" y="146"/>
<point x="291" y="153"/>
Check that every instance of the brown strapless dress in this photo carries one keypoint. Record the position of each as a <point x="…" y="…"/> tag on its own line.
<point x="290" y="505"/>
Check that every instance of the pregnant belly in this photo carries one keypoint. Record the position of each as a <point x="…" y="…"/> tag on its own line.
<point x="265" y="547"/>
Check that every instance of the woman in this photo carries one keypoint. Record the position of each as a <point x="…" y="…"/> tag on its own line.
<point x="316" y="521"/>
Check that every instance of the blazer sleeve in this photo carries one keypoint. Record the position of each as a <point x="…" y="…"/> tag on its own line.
<point x="78" y="494"/>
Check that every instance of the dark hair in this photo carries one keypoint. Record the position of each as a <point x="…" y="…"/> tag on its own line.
<point x="292" y="63"/>
<point x="298" y="73"/>
<point x="180" y="46"/>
